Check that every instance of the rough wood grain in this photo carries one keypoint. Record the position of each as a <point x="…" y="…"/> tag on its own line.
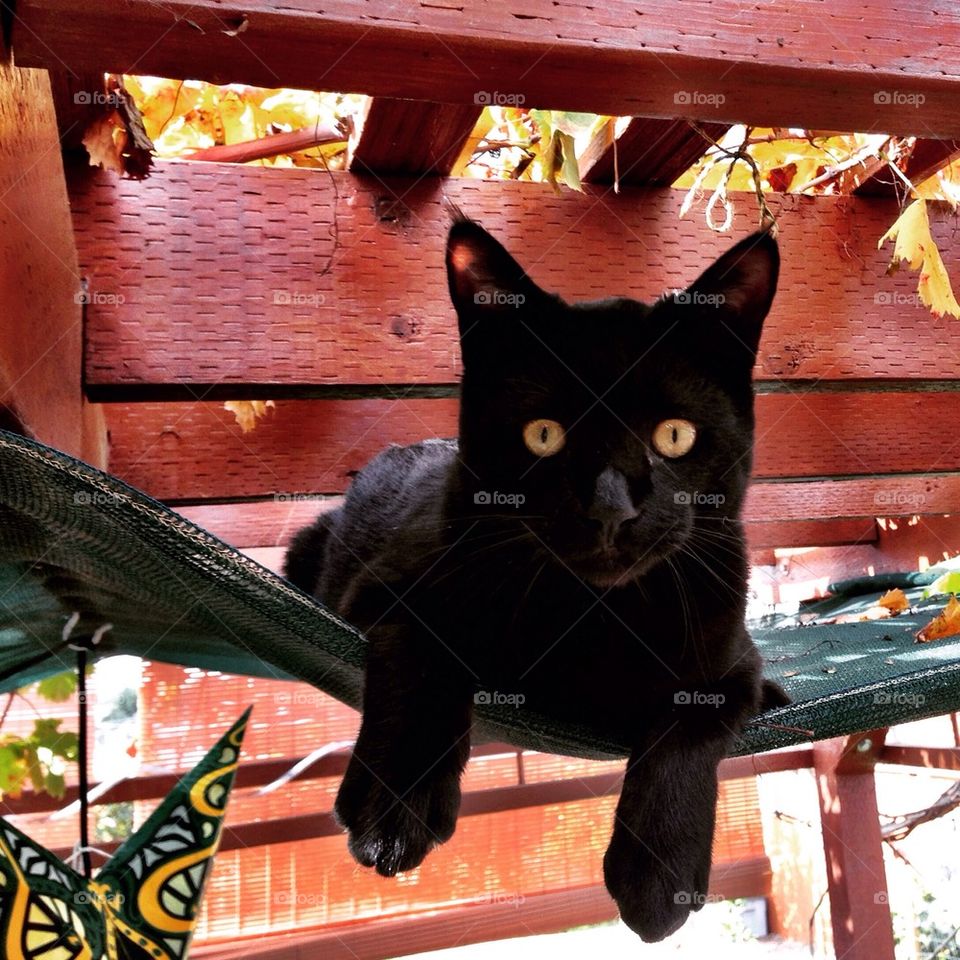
<point x="410" y="137"/>
<point x="217" y="281"/>
<point x="841" y="66"/>
<point x="648" y="151"/>
<point x="40" y="336"/>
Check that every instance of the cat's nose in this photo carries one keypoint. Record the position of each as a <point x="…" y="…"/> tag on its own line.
<point x="612" y="504"/>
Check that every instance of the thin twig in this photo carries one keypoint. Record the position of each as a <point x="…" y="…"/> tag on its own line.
<point x="6" y="709"/>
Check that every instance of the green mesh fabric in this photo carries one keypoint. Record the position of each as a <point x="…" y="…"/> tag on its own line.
<point x="73" y="539"/>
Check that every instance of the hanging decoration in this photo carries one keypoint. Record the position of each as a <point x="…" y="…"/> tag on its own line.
<point x="144" y="902"/>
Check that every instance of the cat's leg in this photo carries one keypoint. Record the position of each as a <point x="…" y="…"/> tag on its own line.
<point x="401" y="791"/>
<point x="657" y="866"/>
<point x="772" y="695"/>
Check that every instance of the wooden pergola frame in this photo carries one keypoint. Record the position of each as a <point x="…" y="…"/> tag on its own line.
<point x="859" y="363"/>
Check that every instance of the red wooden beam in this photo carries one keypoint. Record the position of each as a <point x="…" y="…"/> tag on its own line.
<point x="195" y="451"/>
<point x="649" y="151"/>
<point x="258" y="773"/>
<point x="487" y="919"/>
<point x="928" y="156"/>
<point x="410" y="137"/>
<point x="253" y="773"/>
<point x="763" y="534"/>
<point x="41" y="291"/>
<point x="856" y="878"/>
<point x="935" y="758"/>
<point x="885" y="496"/>
<point x="180" y="309"/>
<point x="844" y="66"/>
<point x="462" y="923"/>
<point x="308" y="826"/>
<point x="272" y="523"/>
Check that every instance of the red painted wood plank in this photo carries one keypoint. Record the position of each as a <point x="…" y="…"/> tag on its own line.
<point x="856" y="878"/>
<point x="490" y="919"/>
<point x="262" y="529"/>
<point x="40" y="283"/>
<point x="769" y="534"/>
<point x="927" y="158"/>
<point x="831" y="434"/>
<point x="476" y="922"/>
<point x="936" y="758"/>
<point x="842" y="66"/>
<point x="265" y="525"/>
<point x="181" y="307"/>
<point x="195" y="451"/>
<point x="302" y="447"/>
<point x="649" y="151"/>
<point x="889" y="496"/>
<point x="806" y="513"/>
<point x="410" y="137"/>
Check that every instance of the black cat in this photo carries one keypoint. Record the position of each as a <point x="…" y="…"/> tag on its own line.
<point x="578" y="550"/>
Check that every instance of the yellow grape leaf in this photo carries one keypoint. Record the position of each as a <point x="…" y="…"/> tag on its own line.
<point x="911" y="233"/>
<point x="895" y="601"/>
<point x="940" y="187"/>
<point x="934" y="287"/>
<point x="914" y="243"/>
<point x="236" y="117"/>
<point x="247" y="412"/>
<point x="945" y="624"/>
<point x="105" y="141"/>
<point x="569" y="168"/>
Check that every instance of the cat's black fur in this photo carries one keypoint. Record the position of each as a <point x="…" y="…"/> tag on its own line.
<point x="613" y="593"/>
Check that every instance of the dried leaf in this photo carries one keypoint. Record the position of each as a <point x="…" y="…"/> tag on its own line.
<point x="945" y="624"/>
<point x="780" y="178"/>
<point x="137" y="154"/>
<point x="247" y="412"/>
<point x="895" y="601"/>
<point x="105" y="140"/>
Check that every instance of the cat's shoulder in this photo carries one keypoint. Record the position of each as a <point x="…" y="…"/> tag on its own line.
<point x="403" y="473"/>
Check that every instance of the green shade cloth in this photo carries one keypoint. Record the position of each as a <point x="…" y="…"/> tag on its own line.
<point x="73" y="539"/>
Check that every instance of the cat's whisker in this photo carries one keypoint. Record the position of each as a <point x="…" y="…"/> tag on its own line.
<point x="735" y="549"/>
<point x="688" y="550"/>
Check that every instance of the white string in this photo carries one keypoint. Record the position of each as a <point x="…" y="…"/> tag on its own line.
<point x="301" y="765"/>
<point x="79" y="851"/>
<point x="92" y="797"/>
<point x="94" y="640"/>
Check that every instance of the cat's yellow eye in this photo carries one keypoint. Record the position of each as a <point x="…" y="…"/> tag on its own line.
<point x="544" y="437"/>
<point x="674" y="438"/>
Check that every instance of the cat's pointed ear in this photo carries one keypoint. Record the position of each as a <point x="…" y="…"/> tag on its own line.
<point x="738" y="289"/>
<point x="483" y="277"/>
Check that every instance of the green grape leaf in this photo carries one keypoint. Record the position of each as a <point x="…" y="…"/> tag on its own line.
<point x="59" y="687"/>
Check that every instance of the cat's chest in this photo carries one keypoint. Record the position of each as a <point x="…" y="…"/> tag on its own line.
<point x="558" y="631"/>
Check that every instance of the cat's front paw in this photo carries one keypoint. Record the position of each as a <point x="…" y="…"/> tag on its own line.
<point x="393" y="830"/>
<point x="655" y="889"/>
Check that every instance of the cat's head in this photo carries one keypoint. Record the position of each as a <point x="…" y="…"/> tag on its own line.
<point x="615" y="432"/>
